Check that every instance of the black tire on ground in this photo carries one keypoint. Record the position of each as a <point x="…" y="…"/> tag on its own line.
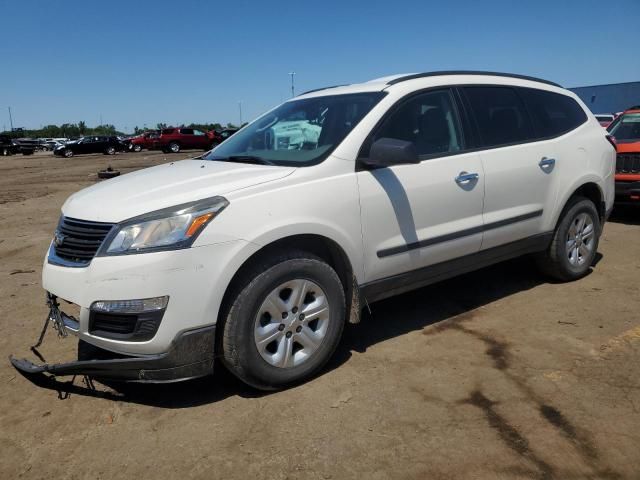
<point x="6" y="152"/>
<point x="555" y="260"/>
<point x="236" y="341"/>
<point x="68" y="153"/>
<point x="137" y="148"/>
<point x="108" y="173"/>
<point x="110" y="151"/>
<point x="174" y="147"/>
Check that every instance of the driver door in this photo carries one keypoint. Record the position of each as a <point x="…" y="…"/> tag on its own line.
<point x="418" y="215"/>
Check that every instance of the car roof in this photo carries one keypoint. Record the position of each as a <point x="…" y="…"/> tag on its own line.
<point x="447" y="77"/>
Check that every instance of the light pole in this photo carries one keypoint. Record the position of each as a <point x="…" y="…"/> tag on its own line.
<point x="10" y="118"/>
<point x="293" y="94"/>
<point x="240" y="109"/>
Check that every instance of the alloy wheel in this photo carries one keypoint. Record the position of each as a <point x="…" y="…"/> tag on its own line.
<point x="580" y="239"/>
<point x="291" y="323"/>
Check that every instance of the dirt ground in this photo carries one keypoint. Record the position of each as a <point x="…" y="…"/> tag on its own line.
<point x="495" y="374"/>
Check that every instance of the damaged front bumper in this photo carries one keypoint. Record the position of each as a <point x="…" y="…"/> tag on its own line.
<point x="190" y="355"/>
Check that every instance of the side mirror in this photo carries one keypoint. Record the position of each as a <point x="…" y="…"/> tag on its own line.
<point x="386" y="152"/>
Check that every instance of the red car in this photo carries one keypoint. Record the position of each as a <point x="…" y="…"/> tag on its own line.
<point x="172" y="140"/>
<point x="626" y="132"/>
<point x="143" y="141"/>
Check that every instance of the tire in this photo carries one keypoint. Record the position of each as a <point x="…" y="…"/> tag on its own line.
<point x="567" y="261"/>
<point x="68" y="153"/>
<point x="110" y="151"/>
<point x="174" y="147"/>
<point x="137" y="148"/>
<point x="6" y="152"/>
<point x="105" y="174"/>
<point x="312" y="340"/>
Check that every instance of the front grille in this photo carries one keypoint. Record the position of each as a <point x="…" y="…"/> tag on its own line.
<point x="628" y="163"/>
<point x="78" y="241"/>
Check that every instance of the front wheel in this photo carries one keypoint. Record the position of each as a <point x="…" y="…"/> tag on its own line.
<point x="137" y="148"/>
<point x="174" y="147"/>
<point x="575" y="242"/>
<point x="285" y="321"/>
<point x="68" y="153"/>
<point x="110" y="151"/>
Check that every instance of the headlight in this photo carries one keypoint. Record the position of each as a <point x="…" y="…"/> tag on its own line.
<point x="167" y="229"/>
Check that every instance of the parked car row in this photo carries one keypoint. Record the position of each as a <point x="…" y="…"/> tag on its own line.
<point x="169" y="140"/>
<point x="175" y="139"/>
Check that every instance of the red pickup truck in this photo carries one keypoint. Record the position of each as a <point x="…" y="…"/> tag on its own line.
<point x="143" y="141"/>
<point x="172" y="140"/>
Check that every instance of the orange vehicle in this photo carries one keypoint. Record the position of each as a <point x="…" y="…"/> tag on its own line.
<point x="625" y="131"/>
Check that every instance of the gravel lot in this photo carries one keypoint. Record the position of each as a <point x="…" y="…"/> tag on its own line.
<point x="495" y="374"/>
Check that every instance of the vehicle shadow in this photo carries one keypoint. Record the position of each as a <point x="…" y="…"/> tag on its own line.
<point x="388" y="319"/>
<point x="626" y="214"/>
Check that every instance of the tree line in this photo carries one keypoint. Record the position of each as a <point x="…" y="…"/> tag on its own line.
<point x="80" y="129"/>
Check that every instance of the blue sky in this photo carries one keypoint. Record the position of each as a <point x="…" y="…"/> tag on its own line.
<point x="143" y="62"/>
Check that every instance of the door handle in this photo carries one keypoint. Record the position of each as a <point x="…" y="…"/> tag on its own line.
<point x="547" y="162"/>
<point x="464" y="178"/>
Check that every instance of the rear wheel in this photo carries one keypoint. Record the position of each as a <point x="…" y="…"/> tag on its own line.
<point x="284" y="322"/>
<point x="575" y="242"/>
<point x="68" y="153"/>
<point x="110" y="150"/>
<point x="174" y="147"/>
<point x="137" y="148"/>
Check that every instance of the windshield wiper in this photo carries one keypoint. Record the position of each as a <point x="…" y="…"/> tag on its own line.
<point x="245" y="159"/>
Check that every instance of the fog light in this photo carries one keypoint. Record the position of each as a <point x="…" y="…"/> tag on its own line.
<point x="131" y="306"/>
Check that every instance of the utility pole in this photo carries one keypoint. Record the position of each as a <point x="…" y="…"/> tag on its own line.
<point x="100" y="119"/>
<point x="293" y="92"/>
<point x="240" y="108"/>
<point x="10" y="118"/>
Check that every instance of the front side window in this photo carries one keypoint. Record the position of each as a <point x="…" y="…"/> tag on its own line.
<point x="626" y="128"/>
<point x="428" y="120"/>
<point x="199" y="133"/>
<point x="186" y="131"/>
<point x="299" y="132"/>
<point x="553" y="114"/>
<point x="500" y="115"/>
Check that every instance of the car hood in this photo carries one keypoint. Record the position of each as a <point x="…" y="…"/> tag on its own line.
<point x="165" y="186"/>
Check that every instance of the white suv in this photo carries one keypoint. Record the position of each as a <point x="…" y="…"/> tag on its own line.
<point x="259" y="251"/>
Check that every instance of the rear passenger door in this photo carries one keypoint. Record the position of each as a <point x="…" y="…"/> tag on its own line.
<point x="518" y="171"/>
<point x="417" y="215"/>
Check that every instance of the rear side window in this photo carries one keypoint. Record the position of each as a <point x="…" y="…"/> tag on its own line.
<point x="553" y="114"/>
<point x="186" y="131"/>
<point x="500" y="115"/>
<point x="167" y="131"/>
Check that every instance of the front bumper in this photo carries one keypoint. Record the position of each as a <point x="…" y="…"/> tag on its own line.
<point x="628" y="190"/>
<point x="191" y="355"/>
<point x="194" y="279"/>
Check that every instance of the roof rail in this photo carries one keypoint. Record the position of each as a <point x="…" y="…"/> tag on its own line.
<point x="469" y="72"/>
<point x="320" y="89"/>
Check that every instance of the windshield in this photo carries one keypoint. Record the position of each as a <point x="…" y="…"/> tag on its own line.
<point x="627" y="127"/>
<point x="299" y="132"/>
